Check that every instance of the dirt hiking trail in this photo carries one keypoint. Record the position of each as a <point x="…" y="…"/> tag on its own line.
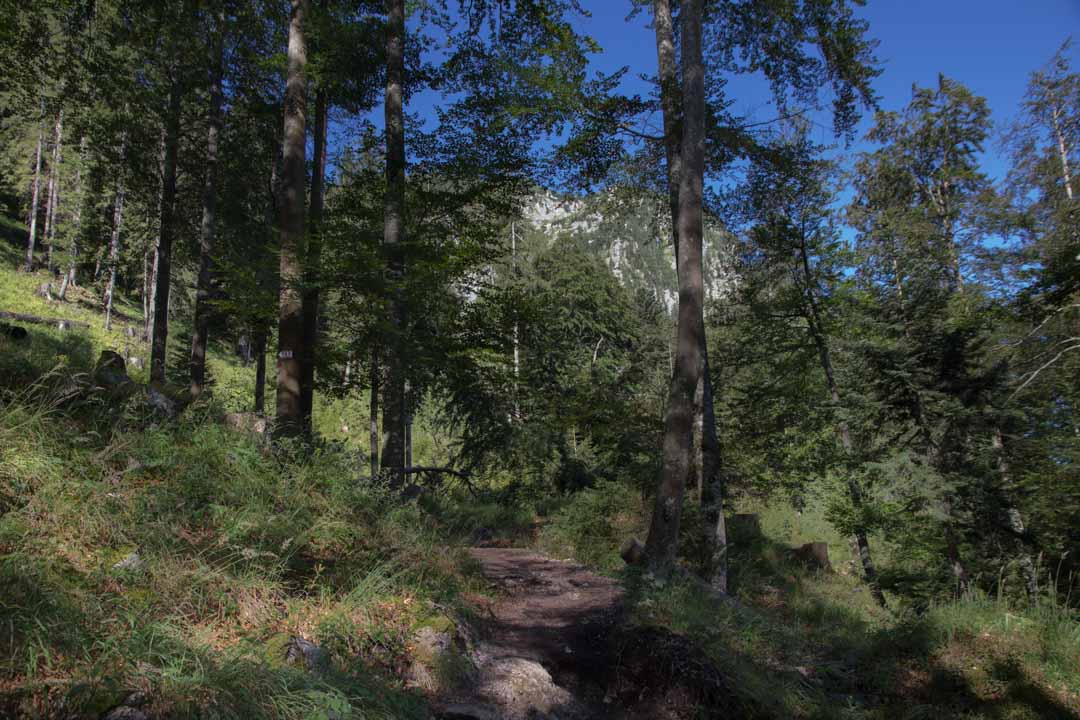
<point x="553" y="646"/>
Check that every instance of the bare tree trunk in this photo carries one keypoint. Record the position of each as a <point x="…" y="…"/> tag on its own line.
<point x="114" y="248"/>
<point x="260" y="372"/>
<point x="150" y="300"/>
<point x="314" y="254"/>
<point x="289" y="422"/>
<point x="393" y="452"/>
<point x="1063" y="152"/>
<point x="34" y="197"/>
<point x="855" y="493"/>
<point x="712" y="491"/>
<point x="1013" y="519"/>
<point x="662" y="543"/>
<point x="517" y="344"/>
<point x="73" y="262"/>
<point x="147" y="265"/>
<point x="54" y="188"/>
<point x="695" y="476"/>
<point x="373" y="414"/>
<point x="201" y="321"/>
<point x="705" y="446"/>
<point x="166" y="230"/>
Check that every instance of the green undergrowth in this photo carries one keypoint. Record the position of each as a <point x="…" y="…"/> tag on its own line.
<point x="179" y="560"/>
<point x="807" y="643"/>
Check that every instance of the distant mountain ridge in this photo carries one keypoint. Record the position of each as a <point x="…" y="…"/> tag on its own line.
<point x="631" y="233"/>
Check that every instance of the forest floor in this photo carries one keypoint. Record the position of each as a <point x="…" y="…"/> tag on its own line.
<point x="554" y="644"/>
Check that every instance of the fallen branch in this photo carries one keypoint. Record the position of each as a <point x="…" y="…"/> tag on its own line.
<point x="463" y="477"/>
<point x="436" y="470"/>
<point x="62" y="323"/>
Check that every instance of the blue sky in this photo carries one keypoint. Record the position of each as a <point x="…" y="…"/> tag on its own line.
<point x="992" y="46"/>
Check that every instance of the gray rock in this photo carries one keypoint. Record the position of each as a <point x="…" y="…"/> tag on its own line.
<point x="125" y="712"/>
<point x="132" y="562"/>
<point x="523" y="688"/>
<point x="313" y="657"/>
<point x="160" y="402"/>
<point x="246" y="422"/>
<point x="136" y="699"/>
<point x="430" y="642"/>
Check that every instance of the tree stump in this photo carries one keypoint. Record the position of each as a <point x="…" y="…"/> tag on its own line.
<point x="814" y="554"/>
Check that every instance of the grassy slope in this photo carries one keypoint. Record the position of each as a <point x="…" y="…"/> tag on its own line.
<point x="238" y="549"/>
<point x="811" y="644"/>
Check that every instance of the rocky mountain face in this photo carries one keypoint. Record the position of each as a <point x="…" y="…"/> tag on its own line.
<point x="632" y="235"/>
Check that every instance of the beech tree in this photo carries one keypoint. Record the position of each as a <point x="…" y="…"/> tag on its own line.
<point x="767" y="38"/>
<point x="201" y="319"/>
<point x="289" y="418"/>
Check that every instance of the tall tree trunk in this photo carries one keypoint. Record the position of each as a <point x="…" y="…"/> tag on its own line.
<point x="114" y="248"/>
<point x="705" y="447"/>
<point x="73" y="261"/>
<point x="54" y="187"/>
<point x="662" y="543"/>
<point x="373" y="414"/>
<point x="34" y="197"/>
<point x="260" y="371"/>
<point x="201" y="321"/>
<point x="855" y="492"/>
<point x="151" y="298"/>
<point x="289" y="422"/>
<point x="1014" y="522"/>
<point x="515" y="338"/>
<point x="166" y="230"/>
<point x="314" y="253"/>
<point x="1063" y="152"/>
<point x="393" y="452"/>
<point x="712" y="491"/>
<point x="147" y="269"/>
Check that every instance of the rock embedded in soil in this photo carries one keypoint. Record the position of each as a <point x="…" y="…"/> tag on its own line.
<point x="307" y="653"/>
<point x="132" y="563"/>
<point x="125" y="712"/>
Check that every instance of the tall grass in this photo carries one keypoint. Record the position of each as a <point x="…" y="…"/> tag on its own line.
<point x="236" y="549"/>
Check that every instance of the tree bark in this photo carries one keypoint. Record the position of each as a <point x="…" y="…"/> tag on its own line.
<point x="393" y="452"/>
<point x="1063" y="152"/>
<point x="705" y="453"/>
<point x="114" y="248"/>
<point x="260" y="372"/>
<point x="712" y="491"/>
<point x="373" y="414"/>
<point x="314" y="254"/>
<point x="34" y="198"/>
<point x="73" y="262"/>
<point x="289" y="422"/>
<point x="1014" y="522"/>
<point x="54" y="188"/>
<point x="662" y="543"/>
<point x="855" y="493"/>
<point x="203" y="294"/>
<point x="166" y="230"/>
